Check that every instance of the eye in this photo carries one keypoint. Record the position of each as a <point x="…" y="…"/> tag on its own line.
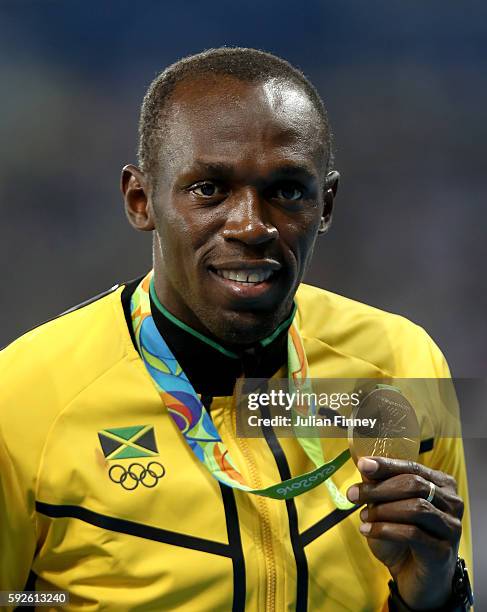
<point x="205" y="189"/>
<point x="289" y="192"/>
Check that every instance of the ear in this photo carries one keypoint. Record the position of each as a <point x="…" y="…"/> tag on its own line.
<point x="136" y="192"/>
<point x="330" y="190"/>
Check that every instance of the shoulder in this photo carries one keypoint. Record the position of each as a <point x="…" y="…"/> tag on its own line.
<point x="45" y="369"/>
<point x="391" y="342"/>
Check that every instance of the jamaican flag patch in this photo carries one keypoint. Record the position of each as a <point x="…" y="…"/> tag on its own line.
<point x="128" y="442"/>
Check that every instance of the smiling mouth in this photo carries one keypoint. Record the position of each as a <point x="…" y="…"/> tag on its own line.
<point x="246" y="277"/>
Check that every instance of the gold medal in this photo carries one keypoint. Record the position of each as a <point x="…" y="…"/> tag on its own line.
<point x="395" y="432"/>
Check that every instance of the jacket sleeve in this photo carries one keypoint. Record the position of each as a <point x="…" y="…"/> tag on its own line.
<point x="447" y="454"/>
<point x="449" y="457"/>
<point x="17" y="532"/>
<point x="18" y="465"/>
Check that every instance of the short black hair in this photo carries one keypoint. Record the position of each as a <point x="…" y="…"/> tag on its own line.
<point x="246" y="64"/>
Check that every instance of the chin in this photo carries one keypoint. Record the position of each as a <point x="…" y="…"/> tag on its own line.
<point x="245" y="328"/>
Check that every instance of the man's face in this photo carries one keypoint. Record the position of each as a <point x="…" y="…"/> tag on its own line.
<point x="237" y="204"/>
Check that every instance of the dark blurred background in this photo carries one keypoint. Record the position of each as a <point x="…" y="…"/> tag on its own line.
<point x="405" y="85"/>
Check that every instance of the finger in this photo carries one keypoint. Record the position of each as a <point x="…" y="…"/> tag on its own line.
<point x="417" y="512"/>
<point x="405" y="486"/>
<point x="410" y="535"/>
<point x="381" y="468"/>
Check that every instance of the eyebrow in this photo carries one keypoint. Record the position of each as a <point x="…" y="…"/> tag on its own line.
<point x="227" y="171"/>
<point x="220" y="168"/>
<point x="294" y="170"/>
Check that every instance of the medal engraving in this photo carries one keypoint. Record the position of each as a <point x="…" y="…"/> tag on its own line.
<point x="396" y="433"/>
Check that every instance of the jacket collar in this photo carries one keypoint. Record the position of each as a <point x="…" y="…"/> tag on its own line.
<point x="214" y="368"/>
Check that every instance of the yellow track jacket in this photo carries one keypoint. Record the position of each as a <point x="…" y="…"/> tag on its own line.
<point x="180" y="540"/>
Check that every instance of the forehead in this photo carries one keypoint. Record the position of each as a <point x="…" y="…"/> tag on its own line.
<point x="219" y="117"/>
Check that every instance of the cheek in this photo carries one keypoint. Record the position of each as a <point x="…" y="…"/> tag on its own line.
<point x="300" y="236"/>
<point x="184" y="236"/>
<point x="171" y="236"/>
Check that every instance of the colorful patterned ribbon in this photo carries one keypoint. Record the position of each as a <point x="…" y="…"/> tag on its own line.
<point x="195" y="424"/>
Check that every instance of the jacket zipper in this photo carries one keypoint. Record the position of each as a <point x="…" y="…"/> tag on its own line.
<point x="265" y="522"/>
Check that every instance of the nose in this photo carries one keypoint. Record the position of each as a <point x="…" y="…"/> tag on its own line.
<point x="246" y="221"/>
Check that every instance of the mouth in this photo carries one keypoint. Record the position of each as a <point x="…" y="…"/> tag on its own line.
<point x="245" y="277"/>
<point x="246" y="280"/>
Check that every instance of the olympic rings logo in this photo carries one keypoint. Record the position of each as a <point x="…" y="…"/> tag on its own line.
<point x="129" y="478"/>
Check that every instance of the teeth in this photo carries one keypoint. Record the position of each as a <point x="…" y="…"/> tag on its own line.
<point x="244" y="276"/>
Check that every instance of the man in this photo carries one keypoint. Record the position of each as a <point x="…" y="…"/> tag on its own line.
<point x="123" y="481"/>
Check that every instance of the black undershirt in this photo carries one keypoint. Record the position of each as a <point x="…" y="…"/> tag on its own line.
<point x="211" y="372"/>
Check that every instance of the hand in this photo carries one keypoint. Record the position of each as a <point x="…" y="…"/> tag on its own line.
<point x="416" y="539"/>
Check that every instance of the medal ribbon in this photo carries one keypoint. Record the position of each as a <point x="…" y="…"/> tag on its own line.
<point x="195" y="424"/>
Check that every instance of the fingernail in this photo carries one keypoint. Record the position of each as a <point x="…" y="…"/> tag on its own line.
<point x="365" y="527"/>
<point x="367" y="466"/>
<point x="353" y="493"/>
<point x="364" y="514"/>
